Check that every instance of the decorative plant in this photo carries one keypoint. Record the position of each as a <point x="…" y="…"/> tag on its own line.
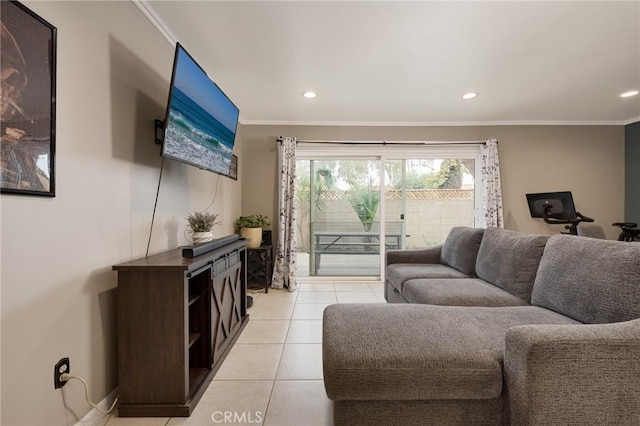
<point x="253" y="221"/>
<point x="364" y="202"/>
<point x="202" y="221"/>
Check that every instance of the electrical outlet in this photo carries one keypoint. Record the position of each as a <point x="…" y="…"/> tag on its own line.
<point x="61" y="367"/>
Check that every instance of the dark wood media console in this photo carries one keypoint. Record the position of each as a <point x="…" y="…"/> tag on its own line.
<point x="177" y="320"/>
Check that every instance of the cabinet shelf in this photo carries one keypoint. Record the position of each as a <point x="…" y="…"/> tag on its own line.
<point x="196" y="376"/>
<point x="194" y="299"/>
<point x="193" y="337"/>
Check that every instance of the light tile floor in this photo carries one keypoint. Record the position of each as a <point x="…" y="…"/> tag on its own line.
<point x="273" y="374"/>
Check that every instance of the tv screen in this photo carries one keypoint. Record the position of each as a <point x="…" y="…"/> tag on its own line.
<point x="201" y="121"/>
<point x="560" y="205"/>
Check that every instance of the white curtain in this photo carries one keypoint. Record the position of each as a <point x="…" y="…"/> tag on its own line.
<point x="490" y="172"/>
<point x="284" y="271"/>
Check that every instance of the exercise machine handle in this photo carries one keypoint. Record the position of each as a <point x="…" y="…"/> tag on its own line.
<point x="571" y="224"/>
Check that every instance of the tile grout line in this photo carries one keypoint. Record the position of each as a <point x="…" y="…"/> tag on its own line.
<point x="275" y="378"/>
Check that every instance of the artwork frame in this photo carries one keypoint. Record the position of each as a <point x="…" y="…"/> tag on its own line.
<point x="233" y="170"/>
<point x="28" y="109"/>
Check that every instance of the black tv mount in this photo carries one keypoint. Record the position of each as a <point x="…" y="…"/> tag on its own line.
<point x="570" y="224"/>
<point x="159" y="126"/>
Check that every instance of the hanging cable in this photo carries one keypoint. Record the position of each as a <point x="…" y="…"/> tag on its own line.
<point x="155" y="205"/>
<point x="215" y="194"/>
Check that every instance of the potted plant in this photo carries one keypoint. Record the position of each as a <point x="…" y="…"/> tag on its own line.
<point x="250" y="227"/>
<point x="200" y="224"/>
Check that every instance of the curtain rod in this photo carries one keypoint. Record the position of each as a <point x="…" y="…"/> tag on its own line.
<point x="412" y="143"/>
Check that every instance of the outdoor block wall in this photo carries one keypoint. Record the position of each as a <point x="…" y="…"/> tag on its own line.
<point x="430" y="214"/>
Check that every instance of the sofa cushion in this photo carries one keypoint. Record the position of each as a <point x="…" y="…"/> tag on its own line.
<point x="591" y="280"/>
<point x="399" y="273"/>
<point x="406" y="352"/>
<point x="509" y="260"/>
<point x="460" y="249"/>
<point x="457" y="292"/>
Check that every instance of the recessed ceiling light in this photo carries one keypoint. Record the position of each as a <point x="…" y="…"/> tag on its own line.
<point x="470" y="95"/>
<point x="629" y="94"/>
<point x="309" y="95"/>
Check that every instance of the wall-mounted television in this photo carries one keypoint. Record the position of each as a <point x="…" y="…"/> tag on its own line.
<point x="201" y="121"/>
<point x="559" y="205"/>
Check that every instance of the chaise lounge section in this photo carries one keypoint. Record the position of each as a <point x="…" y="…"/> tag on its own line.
<point x="567" y="351"/>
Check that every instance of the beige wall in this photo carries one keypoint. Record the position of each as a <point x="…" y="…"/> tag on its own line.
<point x="587" y="160"/>
<point x="58" y="289"/>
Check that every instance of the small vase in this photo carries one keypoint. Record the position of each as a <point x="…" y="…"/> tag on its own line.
<point x="253" y="235"/>
<point x="201" y="237"/>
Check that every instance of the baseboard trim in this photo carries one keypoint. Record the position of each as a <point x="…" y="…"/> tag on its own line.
<point x="95" y="417"/>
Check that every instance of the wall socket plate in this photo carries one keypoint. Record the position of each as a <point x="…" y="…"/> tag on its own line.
<point x="61" y="367"/>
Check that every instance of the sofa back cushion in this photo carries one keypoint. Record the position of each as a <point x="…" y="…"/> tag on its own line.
<point x="510" y="260"/>
<point x="460" y="249"/>
<point x="590" y="280"/>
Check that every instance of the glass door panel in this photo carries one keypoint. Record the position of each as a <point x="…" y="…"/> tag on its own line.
<point x="425" y="198"/>
<point x="339" y="225"/>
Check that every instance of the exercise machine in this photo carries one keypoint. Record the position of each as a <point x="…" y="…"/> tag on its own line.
<point x="557" y="208"/>
<point x="629" y="231"/>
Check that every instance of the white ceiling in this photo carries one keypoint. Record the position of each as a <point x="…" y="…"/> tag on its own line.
<point x="409" y="63"/>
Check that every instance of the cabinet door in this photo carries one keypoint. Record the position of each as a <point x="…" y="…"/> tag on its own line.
<point x="226" y="306"/>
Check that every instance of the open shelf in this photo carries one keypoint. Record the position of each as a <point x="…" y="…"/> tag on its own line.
<point x="194" y="299"/>
<point x="196" y="376"/>
<point x="193" y="337"/>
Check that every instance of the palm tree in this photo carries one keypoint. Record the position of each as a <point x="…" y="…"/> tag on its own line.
<point x="365" y="203"/>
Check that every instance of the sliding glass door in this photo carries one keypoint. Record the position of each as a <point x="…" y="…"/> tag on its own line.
<point x="351" y="208"/>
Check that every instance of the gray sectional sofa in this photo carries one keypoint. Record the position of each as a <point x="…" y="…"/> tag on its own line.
<point x="474" y="267"/>
<point x="493" y="327"/>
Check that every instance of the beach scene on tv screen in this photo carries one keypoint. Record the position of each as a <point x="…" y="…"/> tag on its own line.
<point x="201" y="121"/>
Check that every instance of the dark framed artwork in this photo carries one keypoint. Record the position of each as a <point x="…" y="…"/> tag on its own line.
<point x="27" y="109"/>
<point x="233" y="170"/>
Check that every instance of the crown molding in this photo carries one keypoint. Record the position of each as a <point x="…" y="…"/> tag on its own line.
<point x="632" y="120"/>
<point x="156" y="21"/>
